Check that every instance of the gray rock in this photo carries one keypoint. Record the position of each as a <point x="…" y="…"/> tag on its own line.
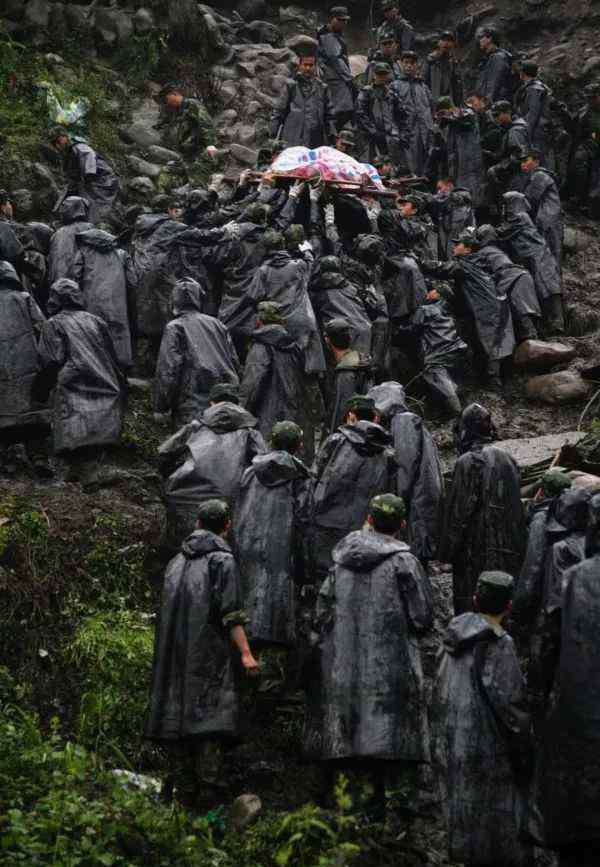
<point x="253" y="109"/>
<point x="143" y="21"/>
<point x="229" y="92"/>
<point x="142" y="167"/>
<point x="565" y="386"/>
<point x="113" y="26"/>
<point x="223" y="73"/>
<point x="244" y="155"/>
<point x="37" y="13"/>
<point x="251" y="9"/>
<point x="592" y="63"/>
<point x="80" y="18"/>
<point x="245" y="134"/>
<point x="44" y="178"/>
<point x="573" y="240"/>
<point x="244" y="811"/>
<point x="25" y="204"/>
<point x="537" y="355"/>
<point x="54" y="60"/>
<point x="262" y="31"/>
<point x="143" y="386"/>
<point x="229" y="116"/>
<point x="12" y="9"/>
<point x="162" y="155"/>
<point x="142" y="187"/>
<point x="277" y="84"/>
<point x="246" y="68"/>
<point x="140" y="134"/>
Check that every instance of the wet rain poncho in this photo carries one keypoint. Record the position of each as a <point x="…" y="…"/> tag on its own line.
<point x="334" y="296"/>
<point x="568" y="526"/>
<point x="381" y="117"/>
<point x="353" y="465"/>
<point x="440" y="349"/>
<point x="214" y="452"/>
<point x="89" y="397"/>
<point x="543" y="196"/>
<point x="415" y="98"/>
<point x="462" y="154"/>
<point x="156" y="269"/>
<point x="441" y="74"/>
<point x="271" y="521"/>
<point x="239" y="257"/>
<point x="273" y="385"/>
<point x="99" y="270"/>
<point x="480" y="732"/>
<point x="368" y="701"/>
<point x="20" y="319"/>
<point x="363" y="269"/>
<point x="452" y="213"/>
<point x="63" y="246"/>
<point x="511" y="280"/>
<point x="303" y="114"/>
<point x="495" y="74"/>
<point x="404" y="286"/>
<point x="195" y="690"/>
<point x="196" y="352"/>
<point x="527" y="597"/>
<point x="11" y="249"/>
<point x="419" y="477"/>
<point x="567" y="778"/>
<point x="527" y="246"/>
<point x="483" y="522"/>
<point x="334" y="69"/>
<point x="353" y="374"/>
<point x="284" y="280"/>
<point x="532" y="102"/>
<point x="91" y="176"/>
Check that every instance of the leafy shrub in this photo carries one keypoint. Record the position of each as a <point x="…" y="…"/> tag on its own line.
<point x="113" y="651"/>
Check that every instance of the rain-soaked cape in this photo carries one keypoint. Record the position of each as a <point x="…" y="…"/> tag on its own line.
<point x="367" y="700"/>
<point x="479" y="737"/>
<point x="483" y="522"/>
<point x="272" y="521"/>
<point x="194" y="683"/>
<point x="488" y="306"/>
<point x="63" y="245"/>
<point x="526" y="246"/>
<point x="196" y="352"/>
<point x="419" y="476"/>
<point x="567" y="780"/>
<point x="89" y="398"/>
<point x="214" y="452"/>
<point x="19" y="363"/>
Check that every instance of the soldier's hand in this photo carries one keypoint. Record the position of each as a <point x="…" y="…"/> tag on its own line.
<point x="329" y="215"/>
<point x="296" y="190"/>
<point x="249" y="664"/>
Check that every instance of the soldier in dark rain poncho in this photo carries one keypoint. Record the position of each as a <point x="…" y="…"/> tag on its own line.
<point x="381" y="116"/>
<point x="526" y="246"/>
<point x="512" y="281"/>
<point x="284" y="279"/>
<point x="196" y="352"/>
<point x="354" y="463"/>
<point x="303" y="113"/>
<point x="567" y="779"/>
<point x="480" y="733"/>
<point x="198" y="647"/>
<point x="495" y="70"/>
<point x="88" y="173"/>
<point x="532" y="102"/>
<point x="77" y="352"/>
<point x="366" y="709"/>
<point x="11" y="248"/>
<point x="483" y="522"/>
<point x="451" y="209"/>
<point x="99" y="270"/>
<point x="73" y="214"/>
<point x="419" y="477"/>
<point x="461" y="148"/>
<point x="273" y="387"/>
<point x="335" y="296"/>
<point x="334" y="66"/>
<point x="352" y="374"/>
<point x="415" y="97"/>
<point x="441" y="70"/>
<point x="272" y="521"/>
<point x="207" y="458"/>
<point x="541" y="188"/>
<point x="20" y="322"/>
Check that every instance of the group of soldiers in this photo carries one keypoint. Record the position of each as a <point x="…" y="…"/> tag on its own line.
<point x="304" y="498"/>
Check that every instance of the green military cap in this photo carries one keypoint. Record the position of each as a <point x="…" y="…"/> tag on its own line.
<point x="388" y="4"/>
<point x="381" y="160"/>
<point x="554" y="482"/>
<point x="214" y="510"/>
<point x="338" y="327"/>
<point x="222" y="391"/>
<point x="487" y="234"/>
<point x="56" y="131"/>
<point x="468" y="238"/>
<point x="388" y="506"/>
<point x="347" y="136"/>
<point x="340" y="12"/>
<point x="286" y="435"/>
<point x="409" y="55"/>
<point x="273" y="240"/>
<point x="502" y="106"/>
<point x="494" y="590"/>
<point x="360" y="401"/>
<point x="257" y="213"/>
<point x="529" y="68"/>
<point x="270" y="313"/>
<point x="329" y="265"/>
<point x="4" y="197"/>
<point x="444" y="103"/>
<point x="381" y="68"/>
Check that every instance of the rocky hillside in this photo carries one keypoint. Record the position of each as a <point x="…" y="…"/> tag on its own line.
<point x="81" y="551"/>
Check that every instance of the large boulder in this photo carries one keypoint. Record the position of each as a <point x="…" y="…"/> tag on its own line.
<point x="37" y="14"/>
<point x="143" y="167"/>
<point x="251" y="9"/>
<point x="244" y="811"/>
<point x="140" y="134"/>
<point x="244" y="155"/>
<point x="161" y="155"/>
<point x="565" y="386"/>
<point x="537" y="355"/>
<point x="143" y="21"/>
<point x="262" y="31"/>
<point x="113" y="26"/>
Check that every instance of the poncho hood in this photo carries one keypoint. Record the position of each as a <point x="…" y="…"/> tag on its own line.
<point x="570" y="512"/>
<point x="466" y="630"/>
<point x="65" y="294"/>
<point x="364" y="550"/>
<point x="74" y="208"/>
<point x="389" y="398"/>
<point x="8" y="277"/>
<point x="226" y="417"/>
<point x="203" y="542"/>
<point x="366" y="437"/>
<point x="277" y="468"/>
<point x="97" y="239"/>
